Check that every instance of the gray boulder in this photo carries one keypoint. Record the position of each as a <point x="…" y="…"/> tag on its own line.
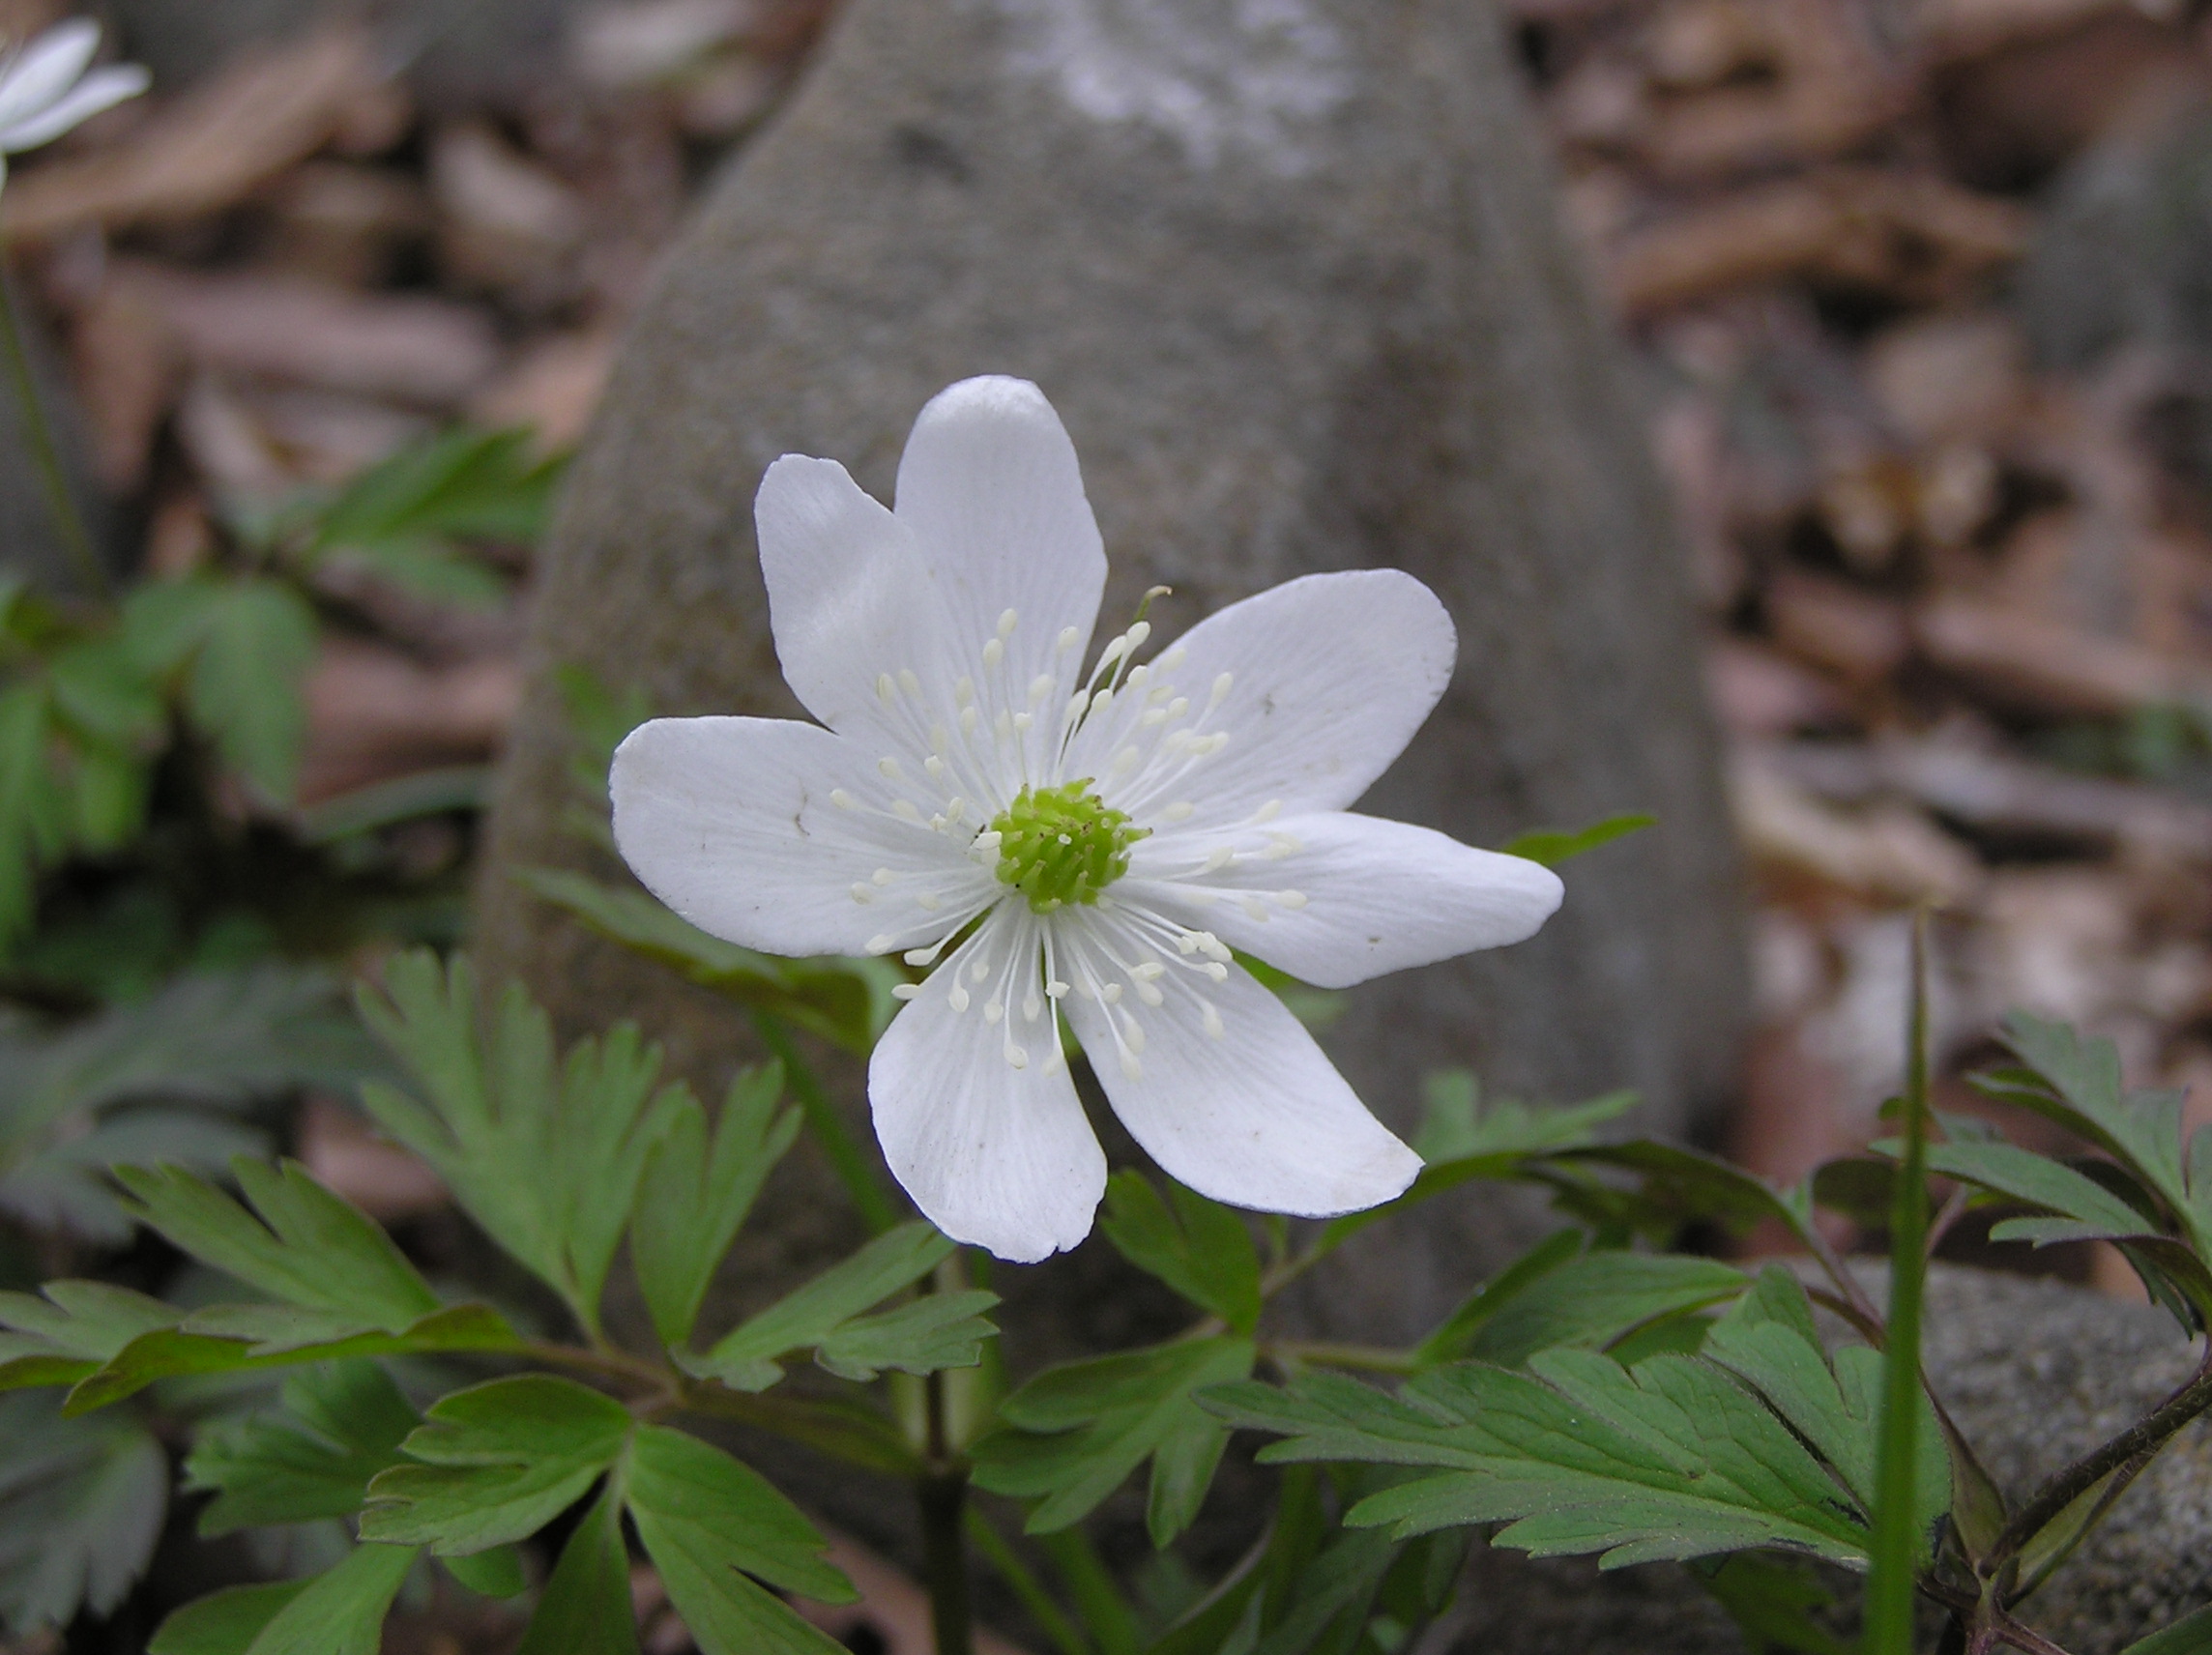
<point x="2036" y="1373"/>
<point x="1292" y="274"/>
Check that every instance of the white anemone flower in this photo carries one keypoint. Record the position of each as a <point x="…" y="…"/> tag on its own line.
<point x="1063" y="844"/>
<point x="45" y="90"/>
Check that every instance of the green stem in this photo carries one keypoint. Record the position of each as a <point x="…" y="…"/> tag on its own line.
<point x="943" y="1495"/>
<point x="1896" y="1544"/>
<point x="853" y="1168"/>
<point x="1023" y="1579"/>
<point x="45" y="453"/>
<point x="1371" y="1358"/>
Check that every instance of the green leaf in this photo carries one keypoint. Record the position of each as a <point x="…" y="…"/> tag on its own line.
<point x="1461" y="1140"/>
<point x="1552" y="846"/>
<point x="244" y="687"/>
<point x="923" y="1336"/>
<point x="81" y="1503"/>
<point x="494" y="1574"/>
<point x="546" y="1159"/>
<point x="216" y="1341"/>
<point x="1674" y="1460"/>
<point x="1199" y="1248"/>
<point x="1073" y="1433"/>
<point x="703" y="1503"/>
<point x="76" y="1328"/>
<point x="2191" y="1634"/>
<point x="224" y="1622"/>
<point x="1677" y="1187"/>
<point x="747" y="1357"/>
<point x="341" y="1423"/>
<point x="301" y="1245"/>
<point x="495" y="1464"/>
<point x="215" y="1041"/>
<point x="846" y="1001"/>
<point x="341" y="1610"/>
<point x="1585" y="1300"/>
<point x="694" y="1194"/>
<point x="2092" y="1210"/>
<point x="1772" y="1600"/>
<point x="461" y="484"/>
<point x="585" y="1609"/>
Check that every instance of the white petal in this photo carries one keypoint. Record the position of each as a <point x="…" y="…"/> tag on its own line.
<point x="1329" y="676"/>
<point x="1339" y="898"/>
<point x="731" y="823"/>
<point x="42" y="71"/>
<point x="849" y="598"/>
<point x="994" y="1155"/>
<point x="990" y="487"/>
<point x="102" y="89"/>
<point x="1256" y="1115"/>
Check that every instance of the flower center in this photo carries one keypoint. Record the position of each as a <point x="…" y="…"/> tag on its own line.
<point x="1059" y="845"/>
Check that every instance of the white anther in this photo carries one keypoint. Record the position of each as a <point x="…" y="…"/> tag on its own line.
<point x="978" y="969"/>
<point x="1178" y="706"/>
<point x="963" y="691"/>
<point x="1137" y="634"/>
<point x="937" y="824"/>
<point x="1212" y="947"/>
<point x="1255" y="909"/>
<point x="1136" y="678"/>
<point x="1114" y="650"/>
<point x="1279" y="846"/>
<point x="1007" y="622"/>
<point x="1174" y="658"/>
<point x="1076" y="702"/>
<point x="891" y="770"/>
<point x="993" y="1010"/>
<point x="1003" y="726"/>
<point x="934" y="766"/>
<point x="1131" y="1069"/>
<point x="1291" y="899"/>
<point x="1083" y="989"/>
<point x="861" y="894"/>
<point x="994" y="652"/>
<point x="1101" y="701"/>
<point x="1219" y="972"/>
<point x="1032" y="1006"/>
<point x="1022" y="720"/>
<point x="928" y="902"/>
<point x="955" y="808"/>
<point x="879" y="943"/>
<point x="1133" y="1033"/>
<point x="1056" y="990"/>
<point x="1069" y="637"/>
<point x="1015" y="1056"/>
<point x="905" y="990"/>
<point x="1186" y="944"/>
<point x="842" y="800"/>
<point x="1156" y="717"/>
<point x="939" y="739"/>
<point x="1041" y="686"/>
<point x="886" y="691"/>
<point x="1213" y="1019"/>
<point x="1149" y="994"/>
<point x="1111" y="994"/>
<point x="908" y="683"/>
<point x="1125" y="761"/>
<point x="968" y="721"/>
<point x="1179" y="811"/>
<point x="958" y="998"/>
<point x="904" y="809"/>
<point x="1220" y="858"/>
<point x="1148" y="971"/>
<point x="1213" y="745"/>
<point x="987" y="840"/>
<point x="923" y="956"/>
<point x="1222" y="687"/>
<point x="1267" y="812"/>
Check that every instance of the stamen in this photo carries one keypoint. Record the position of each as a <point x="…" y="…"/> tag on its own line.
<point x="908" y="683"/>
<point x="1291" y="899"/>
<point x="926" y="956"/>
<point x="1041" y="686"/>
<point x="1056" y="990"/>
<point x="1134" y="1034"/>
<point x="1032" y="1006"/>
<point x="904" y="809"/>
<point x="882" y="876"/>
<point x="1111" y="994"/>
<point x="1174" y="658"/>
<point x="891" y="770"/>
<point x="1179" y="811"/>
<point x="993" y="1010"/>
<point x="886" y="692"/>
<point x="842" y="800"/>
<point x="1148" y="971"/>
<point x="861" y="894"/>
<point x="1221" y="687"/>
<point x="1255" y="909"/>
<point x="1220" y="858"/>
<point x="1015" y="1056"/>
<point x="968" y="720"/>
<point x="935" y="765"/>
<point x="879" y="943"/>
<point x="1069" y="637"/>
<point x="928" y="902"/>
<point x="978" y="969"/>
<point x="1125" y="761"/>
<point x="1178" y="706"/>
<point x="1007" y="622"/>
<point x="1213" y="1018"/>
<point x="1267" y="812"/>
<point x="958" y="998"/>
<point x="963" y="691"/>
<point x="906" y="991"/>
<point x="994" y="652"/>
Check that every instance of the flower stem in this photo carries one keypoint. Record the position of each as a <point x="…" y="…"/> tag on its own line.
<point x="1065" y="1634"/>
<point x="45" y="453"/>
<point x="1896" y="1541"/>
<point x="942" y="1493"/>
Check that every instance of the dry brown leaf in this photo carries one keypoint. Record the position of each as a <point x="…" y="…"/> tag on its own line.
<point x="427" y="351"/>
<point x="553" y="387"/>
<point x="209" y="150"/>
<point x="1916" y="236"/>
<point x="343" y="1153"/>
<point x="1758" y="692"/>
<point x="374" y="714"/>
<point x="127" y="368"/>
<point x="1858" y="637"/>
<point x="1888" y="853"/>
<point x="2022" y="660"/>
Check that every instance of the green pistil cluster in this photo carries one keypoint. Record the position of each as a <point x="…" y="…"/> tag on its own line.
<point x="1059" y="845"/>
